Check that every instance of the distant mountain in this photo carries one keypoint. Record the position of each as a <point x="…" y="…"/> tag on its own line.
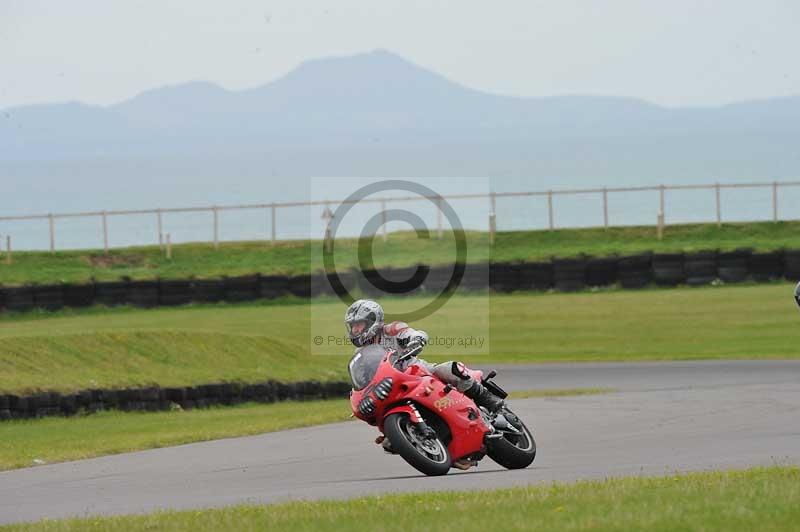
<point x="378" y="114"/>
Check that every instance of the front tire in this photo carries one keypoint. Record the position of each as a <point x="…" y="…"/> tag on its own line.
<point x="513" y="451"/>
<point x="426" y="455"/>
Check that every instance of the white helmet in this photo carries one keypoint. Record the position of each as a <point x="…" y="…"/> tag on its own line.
<point x="363" y="319"/>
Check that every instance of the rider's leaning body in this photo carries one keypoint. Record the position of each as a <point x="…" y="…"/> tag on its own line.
<point x="364" y="320"/>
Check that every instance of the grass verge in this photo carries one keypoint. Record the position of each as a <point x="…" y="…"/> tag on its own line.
<point x="37" y="441"/>
<point x="252" y="342"/>
<point x="401" y="249"/>
<point x="762" y="499"/>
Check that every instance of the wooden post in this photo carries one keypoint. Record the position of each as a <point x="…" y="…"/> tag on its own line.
<point x="383" y="219"/>
<point x="160" y="230"/>
<point x="52" y="234"/>
<point x="273" y="224"/>
<point x="660" y="223"/>
<point x="661" y="200"/>
<point x="439" y="218"/>
<point x="550" y="208"/>
<point x="216" y="227"/>
<point x="719" y="206"/>
<point x="605" y="208"/>
<point x="492" y="217"/>
<point x="169" y="247"/>
<point x="9" y="260"/>
<point x="105" y="233"/>
<point x="774" y="201"/>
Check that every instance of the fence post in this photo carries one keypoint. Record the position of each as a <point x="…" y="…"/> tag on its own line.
<point x="52" y="234"/>
<point x="272" y="225"/>
<point x="216" y="227"/>
<point x="8" y="249"/>
<point x="383" y="219"/>
<point x="661" y="201"/>
<point x="105" y="233"/>
<point x="605" y="208"/>
<point x="719" y="206"/>
<point x="660" y="230"/>
<point x="169" y="247"/>
<point x="550" y="208"/>
<point x="439" y="218"/>
<point x="492" y="217"/>
<point x="774" y="201"/>
<point x="160" y="230"/>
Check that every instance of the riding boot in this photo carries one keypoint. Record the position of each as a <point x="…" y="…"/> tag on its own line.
<point x="483" y="397"/>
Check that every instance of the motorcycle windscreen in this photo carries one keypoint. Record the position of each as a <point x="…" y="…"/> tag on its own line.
<point x="364" y="365"/>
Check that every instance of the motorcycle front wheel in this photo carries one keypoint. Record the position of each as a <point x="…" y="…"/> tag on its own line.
<point x="515" y="450"/>
<point x="425" y="454"/>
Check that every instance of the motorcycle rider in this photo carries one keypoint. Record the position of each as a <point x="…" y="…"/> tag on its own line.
<point x="365" y="325"/>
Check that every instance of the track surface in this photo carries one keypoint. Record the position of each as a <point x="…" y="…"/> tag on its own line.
<point x="666" y="417"/>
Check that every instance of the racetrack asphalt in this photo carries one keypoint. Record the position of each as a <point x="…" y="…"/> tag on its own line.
<point x="664" y="417"/>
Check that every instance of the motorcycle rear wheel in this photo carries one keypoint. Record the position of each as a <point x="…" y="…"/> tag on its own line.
<point x="428" y="456"/>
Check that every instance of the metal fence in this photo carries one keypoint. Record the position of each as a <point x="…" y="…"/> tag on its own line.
<point x="272" y="234"/>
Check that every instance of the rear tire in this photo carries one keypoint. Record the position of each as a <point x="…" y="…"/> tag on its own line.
<point x="426" y="456"/>
<point x="511" y="451"/>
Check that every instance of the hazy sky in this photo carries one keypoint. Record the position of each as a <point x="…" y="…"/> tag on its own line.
<point x="681" y="52"/>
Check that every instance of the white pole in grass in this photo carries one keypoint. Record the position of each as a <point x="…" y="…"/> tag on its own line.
<point x="550" y="208"/>
<point x="8" y="250"/>
<point x="719" y="206"/>
<point x="52" y="224"/>
<point x="661" y="201"/>
<point x="439" y="218"/>
<point x="492" y="217"/>
<point x="105" y="233"/>
<point x="169" y="247"/>
<point x="273" y="224"/>
<point x="774" y="201"/>
<point x="160" y="230"/>
<point x="383" y="219"/>
<point x="216" y="227"/>
<point x="605" y="208"/>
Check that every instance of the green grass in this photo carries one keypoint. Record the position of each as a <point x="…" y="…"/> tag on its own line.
<point x="48" y="440"/>
<point x="402" y="249"/>
<point x="250" y="342"/>
<point x="763" y="499"/>
<point x="567" y="392"/>
<point x="56" y="439"/>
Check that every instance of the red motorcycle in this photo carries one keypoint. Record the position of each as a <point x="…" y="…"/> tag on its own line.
<point x="429" y="423"/>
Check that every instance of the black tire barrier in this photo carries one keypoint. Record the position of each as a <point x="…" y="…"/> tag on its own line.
<point x="569" y="275"/>
<point x="767" y="266"/>
<point x="19" y="298"/>
<point x="701" y="267"/>
<point x="79" y="295"/>
<point x="601" y="271"/>
<point x="438" y="279"/>
<point x="668" y="269"/>
<point x="272" y="286"/>
<point x="208" y="290"/>
<point x="174" y="292"/>
<point x="535" y="275"/>
<point x="504" y="277"/>
<point x="244" y="288"/>
<point x="791" y="265"/>
<point x="48" y="297"/>
<point x="143" y="293"/>
<point x="476" y="277"/>
<point x="733" y="266"/>
<point x="154" y="398"/>
<point x="635" y="271"/>
<point x="111" y="293"/>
